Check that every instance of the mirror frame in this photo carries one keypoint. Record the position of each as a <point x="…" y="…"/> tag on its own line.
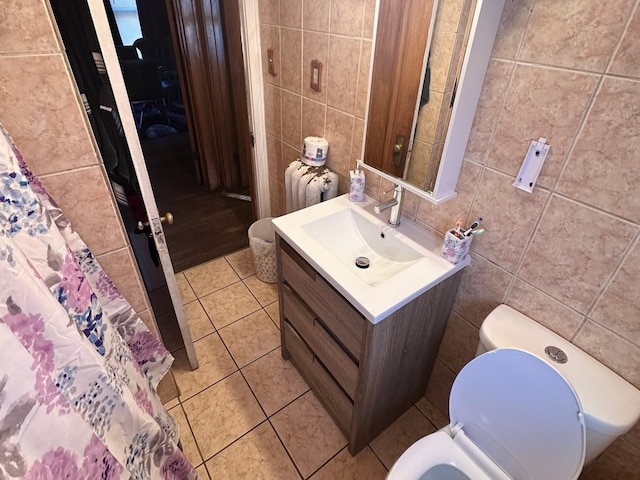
<point x="484" y="26"/>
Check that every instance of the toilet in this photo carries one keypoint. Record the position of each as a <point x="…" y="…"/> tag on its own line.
<point x="531" y="405"/>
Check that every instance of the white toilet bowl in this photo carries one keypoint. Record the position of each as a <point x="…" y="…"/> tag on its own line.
<point x="534" y="406"/>
<point x="513" y="416"/>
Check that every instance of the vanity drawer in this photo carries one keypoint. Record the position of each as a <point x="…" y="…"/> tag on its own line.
<point x="341" y="366"/>
<point x="344" y="322"/>
<point x="333" y="398"/>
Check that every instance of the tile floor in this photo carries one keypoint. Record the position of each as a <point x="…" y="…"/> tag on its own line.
<point x="246" y="413"/>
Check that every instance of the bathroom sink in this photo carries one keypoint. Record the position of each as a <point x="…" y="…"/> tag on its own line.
<point x="403" y="262"/>
<point x="371" y="249"/>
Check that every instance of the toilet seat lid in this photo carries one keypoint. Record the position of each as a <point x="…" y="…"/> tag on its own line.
<point x="521" y="413"/>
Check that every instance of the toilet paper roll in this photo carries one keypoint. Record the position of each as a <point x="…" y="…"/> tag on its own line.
<point x="314" y="151"/>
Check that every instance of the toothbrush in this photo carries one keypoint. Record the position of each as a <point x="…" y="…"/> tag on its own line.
<point x="474" y="225"/>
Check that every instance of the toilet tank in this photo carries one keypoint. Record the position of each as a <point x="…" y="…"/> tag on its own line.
<point x="611" y="404"/>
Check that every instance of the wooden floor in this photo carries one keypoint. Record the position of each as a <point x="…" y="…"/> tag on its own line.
<point x="206" y="224"/>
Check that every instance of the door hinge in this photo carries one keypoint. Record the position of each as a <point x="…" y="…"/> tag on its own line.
<point x="253" y="139"/>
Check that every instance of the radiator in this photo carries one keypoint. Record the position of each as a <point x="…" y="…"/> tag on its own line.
<point x="305" y="185"/>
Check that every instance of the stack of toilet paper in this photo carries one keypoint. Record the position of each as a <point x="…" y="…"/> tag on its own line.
<point x="314" y="151"/>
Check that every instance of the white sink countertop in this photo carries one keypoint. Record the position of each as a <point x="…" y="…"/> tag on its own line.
<point x="374" y="297"/>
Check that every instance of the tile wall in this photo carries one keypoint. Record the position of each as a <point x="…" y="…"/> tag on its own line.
<point x="40" y="108"/>
<point x="337" y="33"/>
<point x="568" y="254"/>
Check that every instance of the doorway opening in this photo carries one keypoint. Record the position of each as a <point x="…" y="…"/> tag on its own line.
<point x="205" y="190"/>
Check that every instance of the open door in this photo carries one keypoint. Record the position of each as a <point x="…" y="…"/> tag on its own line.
<point x="112" y="65"/>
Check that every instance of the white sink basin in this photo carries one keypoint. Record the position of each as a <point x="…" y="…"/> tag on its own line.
<point x="404" y="262"/>
<point x="364" y="244"/>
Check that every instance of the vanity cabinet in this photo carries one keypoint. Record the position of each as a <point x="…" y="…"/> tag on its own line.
<point x="366" y="375"/>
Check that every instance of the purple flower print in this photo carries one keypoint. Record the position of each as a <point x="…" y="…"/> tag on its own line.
<point x="58" y="464"/>
<point x="144" y="345"/>
<point x="106" y="287"/>
<point x="142" y="399"/>
<point x="177" y="467"/>
<point x="75" y="284"/>
<point x="29" y="329"/>
<point x="98" y="463"/>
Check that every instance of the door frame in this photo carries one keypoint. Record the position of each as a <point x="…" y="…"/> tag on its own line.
<point x="112" y="65"/>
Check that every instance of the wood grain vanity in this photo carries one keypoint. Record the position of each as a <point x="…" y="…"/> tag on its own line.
<point x="365" y="374"/>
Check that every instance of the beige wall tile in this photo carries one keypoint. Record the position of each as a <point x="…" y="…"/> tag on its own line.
<point x="291" y="13"/>
<point x="442" y="47"/>
<point x="369" y="17"/>
<point x="25" y="27"/>
<point x="459" y="343"/>
<point x="615" y="352"/>
<point x="544" y="309"/>
<point x="276" y="191"/>
<point x="85" y="199"/>
<point x="342" y="81"/>
<point x="274" y="158"/>
<point x="448" y="16"/>
<point x="339" y="132"/>
<point x="620" y="460"/>
<point x="618" y="309"/>
<point x="273" y="110"/>
<point x="36" y="94"/>
<point x="443" y="217"/>
<point x="315" y="47"/>
<point x="428" y="118"/>
<point x="540" y="102"/>
<point x="571" y="262"/>
<point x="269" y="11"/>
<point x="316" y="15"/>
<point x="627" y="59"/>
<point x="270" y="39"/>
<point x="357" y="142"/>
<point x="291" y="56"/>
<point x="121" y="268"/>
<point x="603" y="169"/>
<point x="482" y="289"/>
<point x="419" y="163"/>
<point x="291" y="119"/>
<point x="577" y="35"/>
<point x="439" y="387"/>
<point x="313" y="118"/>
<point x="347" y="17"/>
<point x="488" y="110"/>
<point x="508" y="229"/>
<point x="513" y="22"/>
<point x="363" y="78"/>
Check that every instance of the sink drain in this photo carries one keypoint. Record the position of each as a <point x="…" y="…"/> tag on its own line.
<point x="362" y="262"/>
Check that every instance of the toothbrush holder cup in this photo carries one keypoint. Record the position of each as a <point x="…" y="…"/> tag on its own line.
<point x="456" y="246"/>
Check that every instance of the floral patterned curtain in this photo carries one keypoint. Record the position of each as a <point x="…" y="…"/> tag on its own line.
<point x="78" y="368"/>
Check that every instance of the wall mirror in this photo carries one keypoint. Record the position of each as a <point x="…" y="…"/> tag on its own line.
<point x="428" y="68"/>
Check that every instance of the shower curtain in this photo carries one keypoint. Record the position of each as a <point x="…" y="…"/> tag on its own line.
<point x="78" y="368"/>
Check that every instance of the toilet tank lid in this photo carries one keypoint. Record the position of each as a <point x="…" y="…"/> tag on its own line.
<point x="611" y="404"/>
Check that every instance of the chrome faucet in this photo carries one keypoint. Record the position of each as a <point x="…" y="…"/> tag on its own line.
<point x="395" y="204"/>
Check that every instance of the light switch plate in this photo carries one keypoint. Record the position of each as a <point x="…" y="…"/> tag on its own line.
<point x="532" y="165"/>
<point x="316" y="75"/>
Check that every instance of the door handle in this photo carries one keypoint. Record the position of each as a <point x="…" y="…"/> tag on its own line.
<point x="397" y="151"/>
<point x="167" y="218"/>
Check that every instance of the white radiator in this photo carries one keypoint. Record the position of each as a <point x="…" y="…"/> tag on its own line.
<point x="305" y="185"/>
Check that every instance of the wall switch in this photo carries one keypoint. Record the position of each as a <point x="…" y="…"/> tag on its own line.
<point x="272" y="68"/>
<point x="316" y="75"/>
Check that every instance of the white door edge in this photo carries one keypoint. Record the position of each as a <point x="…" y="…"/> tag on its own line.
<point x="250" y="31"/>
<point x="112" y="65"/>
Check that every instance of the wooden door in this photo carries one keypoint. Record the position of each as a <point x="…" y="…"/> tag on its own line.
<point x="211" y="65"/>
<point x="401" y="40"/>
